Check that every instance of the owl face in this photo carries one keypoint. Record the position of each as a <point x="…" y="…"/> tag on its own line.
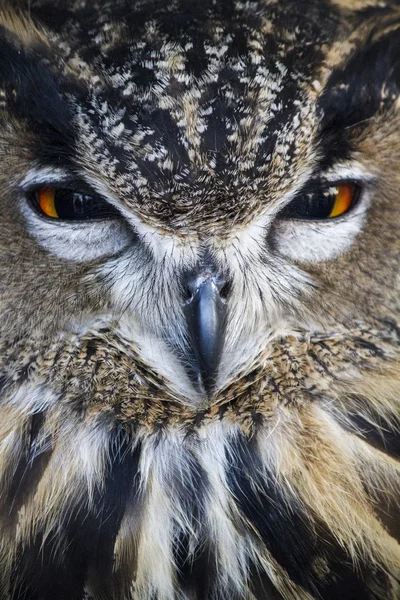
<point x="195" y="182"/>
<point x="199" y="283"/>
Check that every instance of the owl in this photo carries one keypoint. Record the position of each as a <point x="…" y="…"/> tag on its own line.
<point x="199" y="299"/>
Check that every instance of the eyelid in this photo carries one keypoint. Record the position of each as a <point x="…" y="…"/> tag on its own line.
<point x="72" y="185"/>
<point x="44" y="176"/>
<point x="319" y="184"/>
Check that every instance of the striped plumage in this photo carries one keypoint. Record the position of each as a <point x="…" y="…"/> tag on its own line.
<point x="120" y="478"/>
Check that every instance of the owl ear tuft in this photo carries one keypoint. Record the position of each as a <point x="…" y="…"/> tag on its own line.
<point x="366" y="83"/>
<point x="31" y="85"/>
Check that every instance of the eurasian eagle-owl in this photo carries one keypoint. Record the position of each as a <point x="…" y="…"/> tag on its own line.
<point x="199" y="297"/>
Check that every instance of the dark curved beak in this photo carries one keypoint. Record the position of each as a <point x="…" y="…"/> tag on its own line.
<point x="206" y="315"/>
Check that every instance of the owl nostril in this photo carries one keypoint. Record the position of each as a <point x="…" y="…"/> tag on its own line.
<point x="192" y="284"/>
<point x="225" y="290"/>
<point x="187" y="294"/>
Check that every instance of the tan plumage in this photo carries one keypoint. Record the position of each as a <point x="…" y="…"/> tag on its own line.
<point x="130" y="467"/>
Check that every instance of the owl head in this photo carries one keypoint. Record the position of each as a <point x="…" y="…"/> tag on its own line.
<point x="199" y="253"/>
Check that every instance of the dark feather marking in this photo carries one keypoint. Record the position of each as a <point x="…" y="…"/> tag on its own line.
<point x="121" y="487"/>
<point x="3" y="382"/>
<point x="29" y="471"/>
<point x="354" y="92"/>
<point x="373" y="428"/>
<point x="25" y="74"/>
<point x="295" y="540"/>
<point x="196" y="574"/>
<point x="367" y="583"/>
<point x="60" y="567"/>
<point x="262" y="586"/>
<point x="195" y="571"/>
<point x="286" y="530"/>
<point x="382" y="438"/>
<point x="39" y="575"/>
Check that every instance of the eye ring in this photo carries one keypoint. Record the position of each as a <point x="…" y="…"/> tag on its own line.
<point x="326" y="202"/>
<point x="61" y="204"/>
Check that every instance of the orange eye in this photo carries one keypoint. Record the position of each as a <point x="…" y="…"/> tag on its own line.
<point x="343" y="200"/>
<point x="321" y="203"/>
<point x="46" y="200"/>
<point x="65" y="204"/>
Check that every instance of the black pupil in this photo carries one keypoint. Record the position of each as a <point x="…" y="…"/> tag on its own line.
<point x="313" y="205"/>
<point x="71" y="205"/>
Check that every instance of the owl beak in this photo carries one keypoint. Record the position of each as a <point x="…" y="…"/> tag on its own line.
<point x="205" y="315"/>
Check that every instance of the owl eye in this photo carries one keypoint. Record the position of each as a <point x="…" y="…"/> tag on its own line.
<point x="69" y="205"/>
<point x="324" y="203"/>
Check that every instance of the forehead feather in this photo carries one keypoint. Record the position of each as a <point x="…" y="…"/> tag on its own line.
<point x="193" y="112"/>
<point x="196" y="109"/>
